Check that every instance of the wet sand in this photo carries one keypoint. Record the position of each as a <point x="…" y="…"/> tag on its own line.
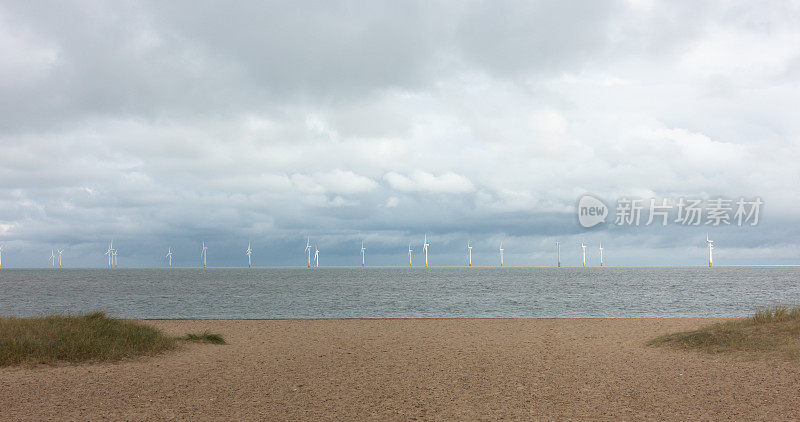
<point x="403" y="369"/>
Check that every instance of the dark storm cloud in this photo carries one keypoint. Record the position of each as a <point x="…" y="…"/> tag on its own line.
<point x="188" y="58"/>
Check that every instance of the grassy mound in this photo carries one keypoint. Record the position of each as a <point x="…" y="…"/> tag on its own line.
<point x="773" y="331"/>
<point x="92" y="337"/>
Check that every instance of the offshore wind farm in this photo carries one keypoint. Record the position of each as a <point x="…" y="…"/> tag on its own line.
<point x="362" y="290"/>
<point x="111" y="254"/>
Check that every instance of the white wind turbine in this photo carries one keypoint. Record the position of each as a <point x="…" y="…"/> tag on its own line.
<point x="308" y="249"/>
<point x="425" y="248"/>
<point x="584" y="253"/>
<point x="114" y="258"/>
<point x="316" y="255"/>
<point x="204" y="254"/>
<point x="110" y="253"/>
<point x="409" y="254"/>
<point x="501" y="253"/>
<point x="363" y="259"/>
<point x="1" y="256"/>
<point x="469" y="248"/>
<point x="52" y="259"/>
<point x="601" y="254"/>
<point x="60" y="251"/>
<point x="710" y="244"/>
<point x="169" y="256"/>
<point x="558" y="246"/>
<point x="249" y="252"/>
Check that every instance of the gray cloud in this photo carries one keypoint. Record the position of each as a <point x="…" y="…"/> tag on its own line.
<point x="165" y="124"/>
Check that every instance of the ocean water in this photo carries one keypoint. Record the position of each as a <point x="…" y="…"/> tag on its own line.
<point x="400" y="292"/>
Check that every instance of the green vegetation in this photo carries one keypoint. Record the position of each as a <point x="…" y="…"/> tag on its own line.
<point x="770" y="332"/>
<point x="92" y="337"/>
<point x="205" y="337"/>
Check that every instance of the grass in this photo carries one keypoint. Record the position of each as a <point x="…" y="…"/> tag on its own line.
<point x="204" y="337"/>
<point x="770" y="332"/>
<point x="92" y="337"/>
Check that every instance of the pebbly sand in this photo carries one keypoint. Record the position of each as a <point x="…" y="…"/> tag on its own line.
<point x="400" y="369"/>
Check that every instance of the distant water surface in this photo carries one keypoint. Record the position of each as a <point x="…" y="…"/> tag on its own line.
<point x="400" y="292"/>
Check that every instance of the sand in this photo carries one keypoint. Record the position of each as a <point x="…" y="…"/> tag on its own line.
<point x="405" y="369"/>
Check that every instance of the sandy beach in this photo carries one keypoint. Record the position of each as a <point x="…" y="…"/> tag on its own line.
<point x="405" y="369"/>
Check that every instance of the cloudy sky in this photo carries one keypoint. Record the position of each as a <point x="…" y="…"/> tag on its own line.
<point x="164" y="124"/>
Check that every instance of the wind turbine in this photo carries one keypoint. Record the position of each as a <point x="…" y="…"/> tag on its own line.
<point x="316" y="255"/>
<point x="425" y="248"/>
<point x="409" y="254"/>
<point x="308" y="249"/>
<point x="710" y="244"/>
<point x="249" y="252"/>
<point x="601" y="254"/>
<point x="169" y="255"/>
<point x="363" y="260"/>
<point x="1" y="256"/>
<point x="109" y="252"/>
<point x="558" y="245"/>
<point x="114" y="258"/>
<point x="469" y="247"/>
<point x="584" y="253"/>
<point x="60" y="251"/>
<point x="501" y="254"/>
<point x="204" y="254"/>
<point x="52" y="259"/>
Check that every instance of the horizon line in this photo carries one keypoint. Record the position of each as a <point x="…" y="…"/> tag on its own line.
<point x="402" y="266"/>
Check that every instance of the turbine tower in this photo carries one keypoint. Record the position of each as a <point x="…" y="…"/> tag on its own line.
<point x="52" y="259"/>
<point x="558" y="246"/>
<point x="110" y="252"/>
<point x="363" y="260"/>
<point x="204" y="254"/>
<point x="308" y="249"/>
<point x="316" y="255"/>
<point x="1" y="256"/>
<point x="601" y="254"/>
<point x="584" y="253"/>
<point x="501" y="254"/>
<point x="710" y="244"/>
<point x="60" y="251"/>
<point x="469" y="247"/>
<point x="114" y="259"/>
<point x="425" y="248"/>
<point x="409" y="254"/>
<point x="169" y="256"/>
<point x="249" y="252"/>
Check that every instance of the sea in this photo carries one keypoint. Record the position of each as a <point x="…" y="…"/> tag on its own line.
<point x="509" y="292"/>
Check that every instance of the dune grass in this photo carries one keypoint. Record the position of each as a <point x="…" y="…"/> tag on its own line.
<point x="204" y="337"/>
<point x="79" y="338"/>
<point x="770" y="332"/>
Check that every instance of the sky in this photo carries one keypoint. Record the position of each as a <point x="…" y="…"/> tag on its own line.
<point x="161" y="125"/>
